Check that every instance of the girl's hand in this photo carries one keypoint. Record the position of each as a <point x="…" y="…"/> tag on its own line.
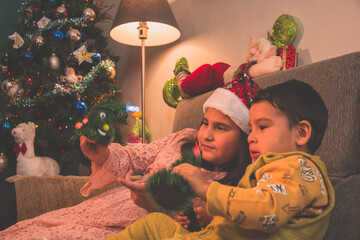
<point x="195" y="177"/>
<point x="138" y="192"/>
<point x="93" y="150"/>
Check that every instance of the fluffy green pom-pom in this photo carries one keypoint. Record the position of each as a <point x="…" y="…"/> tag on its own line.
<point x="170" y="191"/>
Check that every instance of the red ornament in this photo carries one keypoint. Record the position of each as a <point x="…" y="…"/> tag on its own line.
<point x="289" y="56"/>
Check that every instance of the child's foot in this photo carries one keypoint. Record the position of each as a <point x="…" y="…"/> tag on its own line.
<point x="181" y="65"/>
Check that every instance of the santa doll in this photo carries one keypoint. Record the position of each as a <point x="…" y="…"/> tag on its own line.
<point x="261" y="53"/>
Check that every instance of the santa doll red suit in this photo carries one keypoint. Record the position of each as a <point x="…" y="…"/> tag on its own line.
<point x="260" y="54"/>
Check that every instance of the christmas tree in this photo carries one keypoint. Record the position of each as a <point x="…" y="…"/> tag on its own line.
<point x="54" y="67"/>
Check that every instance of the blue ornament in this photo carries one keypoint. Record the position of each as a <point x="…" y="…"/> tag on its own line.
<point x="73" y="61"/>
<point x="57" y="34"/>
<point x="26" y="56"/>
<point x="83" y="35"/>
<point x="80" y="108"/>
<point x="96" y="59"/>
<point x="52" y="2"/>
<point x="5" y="126"/>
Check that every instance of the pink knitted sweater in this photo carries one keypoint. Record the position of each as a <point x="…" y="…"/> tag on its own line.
<point x="109" y="212"/>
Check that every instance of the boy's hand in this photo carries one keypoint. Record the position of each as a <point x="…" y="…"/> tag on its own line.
<point x="195" y="178"/>
<point x="182" y="219"/>
<point x="202" y="215"/>
<point x="94" y="151"/>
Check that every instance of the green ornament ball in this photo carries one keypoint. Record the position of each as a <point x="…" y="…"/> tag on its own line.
<point x="284" y="31"/>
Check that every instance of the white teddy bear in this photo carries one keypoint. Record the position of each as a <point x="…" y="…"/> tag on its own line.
<point x="27" y="163"/>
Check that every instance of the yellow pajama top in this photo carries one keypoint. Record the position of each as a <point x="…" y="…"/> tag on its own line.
<point x="281" y="196"/>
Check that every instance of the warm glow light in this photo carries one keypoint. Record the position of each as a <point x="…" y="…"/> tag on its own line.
<point x="158" y="34"/>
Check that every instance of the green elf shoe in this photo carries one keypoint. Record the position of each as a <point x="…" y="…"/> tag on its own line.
<point x="181" y="66"/>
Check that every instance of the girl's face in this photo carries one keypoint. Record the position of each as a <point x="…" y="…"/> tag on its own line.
<point x="219" y="138"/>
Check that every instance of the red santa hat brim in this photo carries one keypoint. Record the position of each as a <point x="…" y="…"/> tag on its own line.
<point x="230" y="105"/>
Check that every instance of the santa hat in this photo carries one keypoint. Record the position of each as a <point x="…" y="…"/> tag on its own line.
<point x="234" y="100"/>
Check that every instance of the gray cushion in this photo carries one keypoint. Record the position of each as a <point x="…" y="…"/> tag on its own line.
<point x="345" y="217"/>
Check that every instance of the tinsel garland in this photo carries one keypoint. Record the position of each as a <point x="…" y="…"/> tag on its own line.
<point x="105" y="96"/>
<point x="76" y="22"/>
<point x="60" y="90"/>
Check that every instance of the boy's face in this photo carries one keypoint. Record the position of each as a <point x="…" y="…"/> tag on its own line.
<point x="270" y="131"/>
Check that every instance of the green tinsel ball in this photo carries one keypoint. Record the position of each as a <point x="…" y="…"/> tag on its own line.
<point x="170" y="191"/>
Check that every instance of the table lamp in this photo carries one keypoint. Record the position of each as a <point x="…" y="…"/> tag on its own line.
<point x="140" y="20"/>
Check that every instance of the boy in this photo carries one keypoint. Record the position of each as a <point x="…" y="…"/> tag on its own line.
<point x="284" y="194"/>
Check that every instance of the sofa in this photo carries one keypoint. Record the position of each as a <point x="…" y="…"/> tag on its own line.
<point x="338" y="82"/>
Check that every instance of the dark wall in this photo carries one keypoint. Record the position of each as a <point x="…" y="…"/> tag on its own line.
<point x="8" y="17"/>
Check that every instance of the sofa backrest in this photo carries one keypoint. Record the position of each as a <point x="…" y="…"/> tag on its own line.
<point x="338" y="82"/>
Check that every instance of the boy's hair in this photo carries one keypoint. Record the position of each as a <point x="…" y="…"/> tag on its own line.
<point x="299" y="101"/>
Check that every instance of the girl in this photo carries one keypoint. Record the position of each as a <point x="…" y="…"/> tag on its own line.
<point x="225" y="122"/>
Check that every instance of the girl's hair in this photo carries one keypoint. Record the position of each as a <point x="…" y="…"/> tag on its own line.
<point x="235" y="168"/>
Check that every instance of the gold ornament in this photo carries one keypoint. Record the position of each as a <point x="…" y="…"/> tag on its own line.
<point x="60" y="11"/>
<point x="54" y="62"/>
<point x="110" y="72"/>
<point x="74" y="34"/>
<point x="39" y="41"/>
<point x="89" y="14"/>
<point x="3" y="162"/>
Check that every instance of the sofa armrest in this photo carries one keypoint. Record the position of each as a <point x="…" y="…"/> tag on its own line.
<point x="37" y="195"/>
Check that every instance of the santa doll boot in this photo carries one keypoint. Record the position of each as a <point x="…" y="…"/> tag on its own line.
<point x="181" y="65"/>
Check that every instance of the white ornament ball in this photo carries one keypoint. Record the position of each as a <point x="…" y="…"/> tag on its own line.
<point x="54" y="62"/>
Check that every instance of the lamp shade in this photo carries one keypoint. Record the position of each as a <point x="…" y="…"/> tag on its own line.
<point x="160" y="20"/>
